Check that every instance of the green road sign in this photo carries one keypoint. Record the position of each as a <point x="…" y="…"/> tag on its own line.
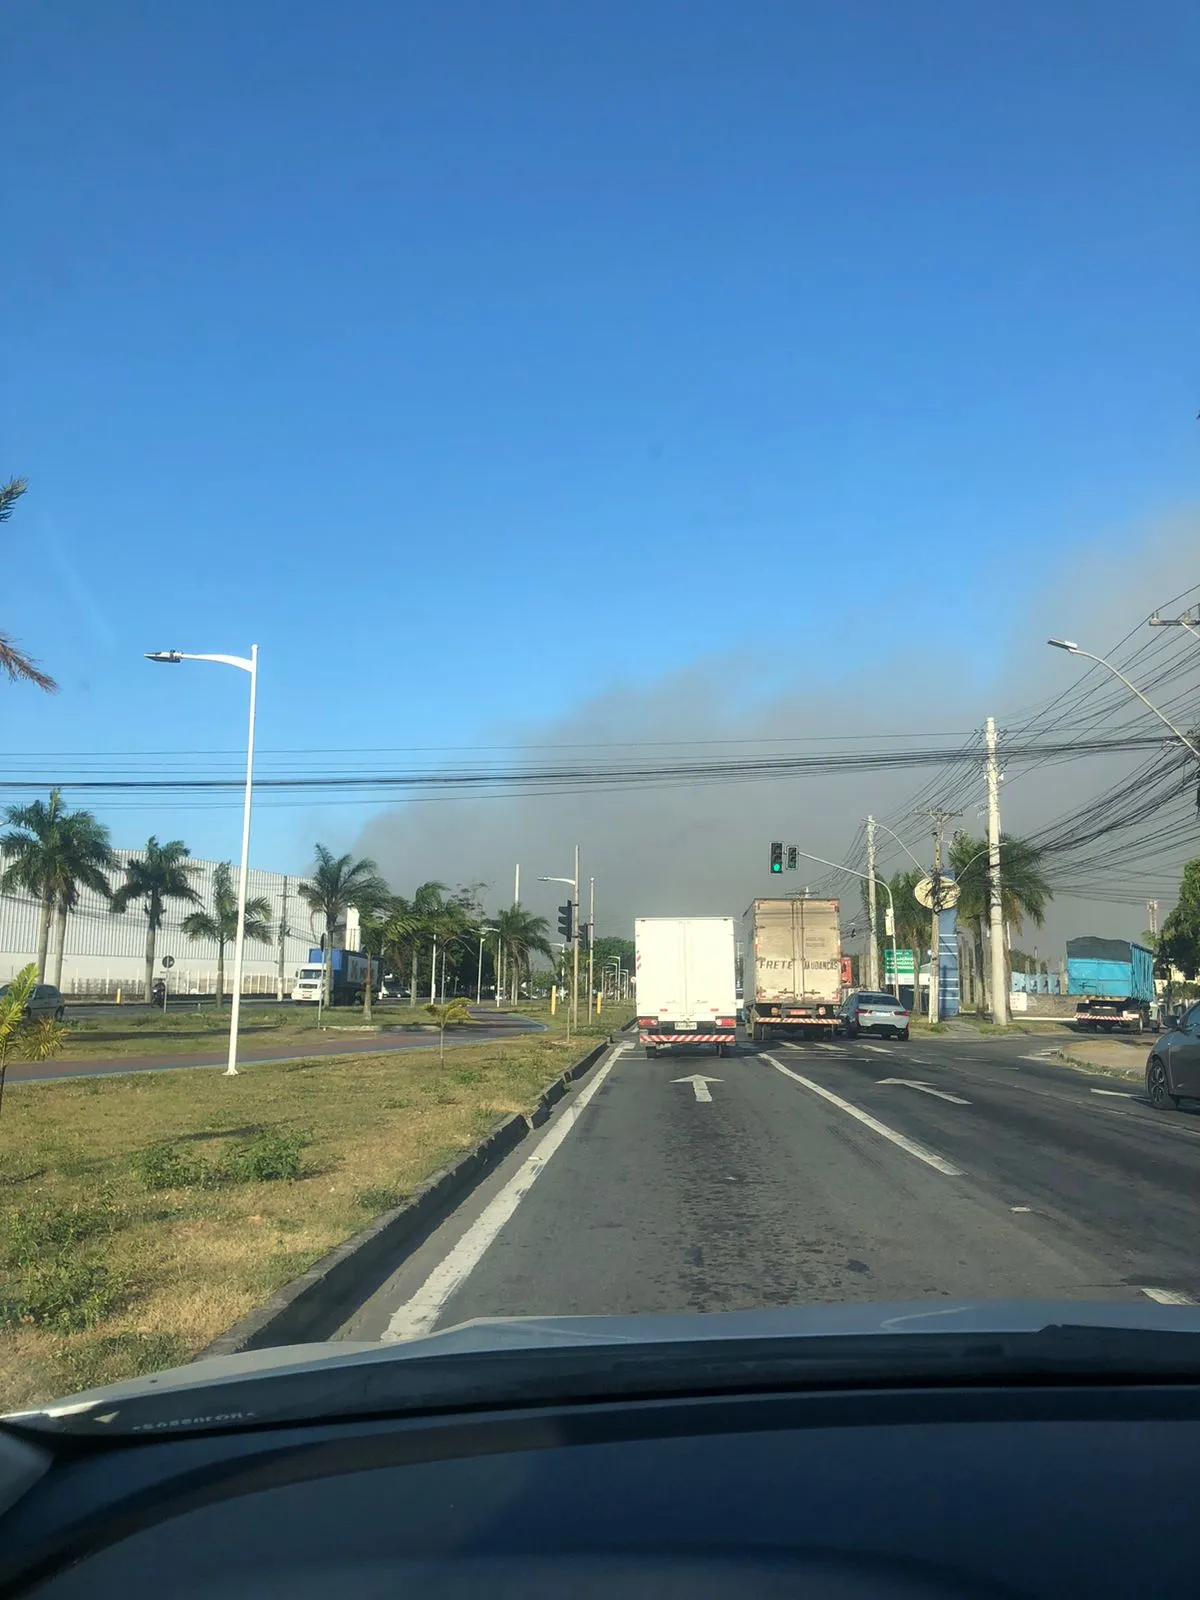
<point x="905" y="964"/>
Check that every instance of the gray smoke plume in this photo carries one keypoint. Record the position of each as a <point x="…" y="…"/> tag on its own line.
<point x="696" y="849"/>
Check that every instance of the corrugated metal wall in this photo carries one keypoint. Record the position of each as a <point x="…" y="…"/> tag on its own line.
<point x="104" y="951"/>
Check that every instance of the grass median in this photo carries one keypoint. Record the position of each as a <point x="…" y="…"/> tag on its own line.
<point x="181" y="1032"/>
<point x="145" y="1214"/>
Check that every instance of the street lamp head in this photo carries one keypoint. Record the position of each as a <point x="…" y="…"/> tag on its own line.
<point x="164" y="655"/>
<point x="1064" y="644"/>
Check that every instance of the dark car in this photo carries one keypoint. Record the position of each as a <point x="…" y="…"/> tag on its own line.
<point x="868" y="1012"/>
<point x="1173" y="1069"/>
<point x="44" y="1001"/>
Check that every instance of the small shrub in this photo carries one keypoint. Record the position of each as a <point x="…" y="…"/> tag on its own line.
<point x="165" y="1166"/>
<point x="270" y="1157"/>
<point x="36" y="1232"/>
<point x="65" y="1296"/>
<point x="380" y="1197"/>
<point x="468" y="1075"/>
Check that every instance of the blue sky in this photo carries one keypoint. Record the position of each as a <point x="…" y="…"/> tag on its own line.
<point x="477" y="357"/>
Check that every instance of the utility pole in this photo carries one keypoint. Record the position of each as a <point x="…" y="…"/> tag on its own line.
<point x="872" y="940"/>
<point x="995" y="887"/>
<point x="591" y="940"/>
<point x="283" y="931"/>
<point x="1152" y="913"/>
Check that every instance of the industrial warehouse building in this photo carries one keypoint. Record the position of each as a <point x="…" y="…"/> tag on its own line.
<point x="105" y="953"/>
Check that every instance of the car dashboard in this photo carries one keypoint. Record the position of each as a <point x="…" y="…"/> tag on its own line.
<point x="963" y="1490"/>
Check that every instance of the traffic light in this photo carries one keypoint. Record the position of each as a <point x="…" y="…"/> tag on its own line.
<point x="777" y="857"/>
<point x="566" y="921"/>
<point x="793" y="858"/>
<point x="585" y="937"/>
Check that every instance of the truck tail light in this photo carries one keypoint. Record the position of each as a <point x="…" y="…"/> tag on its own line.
<point x="647" y="1022"/>
<point x="725" y="1022"/>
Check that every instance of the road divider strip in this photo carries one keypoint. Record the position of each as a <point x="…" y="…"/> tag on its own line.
<point x="902" y="1142"/>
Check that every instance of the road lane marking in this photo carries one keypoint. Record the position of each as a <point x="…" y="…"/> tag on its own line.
<point x="1042" y="1056"/>
<point x="1020" y="1208"/>
<point x="1116" y="1094"/>
<point x="927" y="1088"/>
<point x="879" y="1049"/>
<point x="419" y="1313"/>
<point x="929" y="1157"/>
<point x="700" y="1085"/>
<point x="1168" y="1297"/>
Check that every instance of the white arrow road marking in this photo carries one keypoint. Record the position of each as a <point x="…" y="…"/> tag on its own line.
<point x="1116" y="1094"/>
<point x="929" y="1157"/>
<point x="700" y="1084"/>
<point x="927" y="1088"/>
<point x="1168" y="1297"/>
<point x="879" y="1049"/>
<point x="418" y="1315"/>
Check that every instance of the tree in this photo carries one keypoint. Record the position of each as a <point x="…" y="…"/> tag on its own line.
<point x="1179" y="944"/>
<point x="339" y="882"/>
<point x="35" y="1038"/>
<point x="53" y="853"/>
<point x="520" y="936"/>
<point x="219" y="924"/>
<point x="450" y="1014"/>
<point x="14" y="662"/>
<point x="1024" y="890"/>
<point x="161" y="873"/>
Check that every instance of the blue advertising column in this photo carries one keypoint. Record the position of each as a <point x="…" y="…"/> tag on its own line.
<point x="948" y="995"/>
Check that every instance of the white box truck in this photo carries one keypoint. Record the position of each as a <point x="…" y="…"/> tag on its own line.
<point x="793" y="967"/>
<point x="686" y="982"/>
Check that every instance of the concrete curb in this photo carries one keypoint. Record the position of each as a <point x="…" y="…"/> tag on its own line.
<point x="312" y="1307"/>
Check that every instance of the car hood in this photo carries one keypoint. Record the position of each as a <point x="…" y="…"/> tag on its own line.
<point x="500" y="1360"/>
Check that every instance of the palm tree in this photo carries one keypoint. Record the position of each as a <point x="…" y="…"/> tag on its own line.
<point x="450" y="1014"/>
<point x="14" y="662"/>
<point x="521" y="935"/>
<point x="219" y="924"/>
<point x="339" y="882"/>
<point x="54" y="852"/>
<point x="424" y="912"/>
<point x="1024" y="890"/>
<point x="161" y="873"/>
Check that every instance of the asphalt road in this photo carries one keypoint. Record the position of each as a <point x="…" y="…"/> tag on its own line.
<point x="810" y="1175"/>
<point x="252" y="1052"/>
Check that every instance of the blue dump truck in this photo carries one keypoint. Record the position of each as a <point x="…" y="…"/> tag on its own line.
<point x="1114" y="982"/>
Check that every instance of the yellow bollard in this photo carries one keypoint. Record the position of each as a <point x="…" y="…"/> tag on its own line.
<point x="597" y="1002"/>
<point x="118" y="997"/>
<point x="553" y="998"/>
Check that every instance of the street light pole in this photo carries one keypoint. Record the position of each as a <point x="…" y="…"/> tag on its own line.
<point x="1073" y="649"/>
<point x="249" y="665"/>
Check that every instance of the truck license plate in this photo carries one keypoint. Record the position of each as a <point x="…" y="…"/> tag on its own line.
<point x="685" y="1027"/>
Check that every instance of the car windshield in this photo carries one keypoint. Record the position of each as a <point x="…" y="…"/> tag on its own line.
<point x="474" y="848"/>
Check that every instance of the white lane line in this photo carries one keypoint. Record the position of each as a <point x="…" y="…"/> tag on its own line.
<point x="1042" y="1056"/>
<point x="879" y="1049"/>
<point x="418" y="1314"/>
<point x="1020" y="1208"/>
<point x="1116" y="1094"/>
<point x="927" y="1088"/>
<point x="929" y="1157"/>
<point x="1168" y="1297"/>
